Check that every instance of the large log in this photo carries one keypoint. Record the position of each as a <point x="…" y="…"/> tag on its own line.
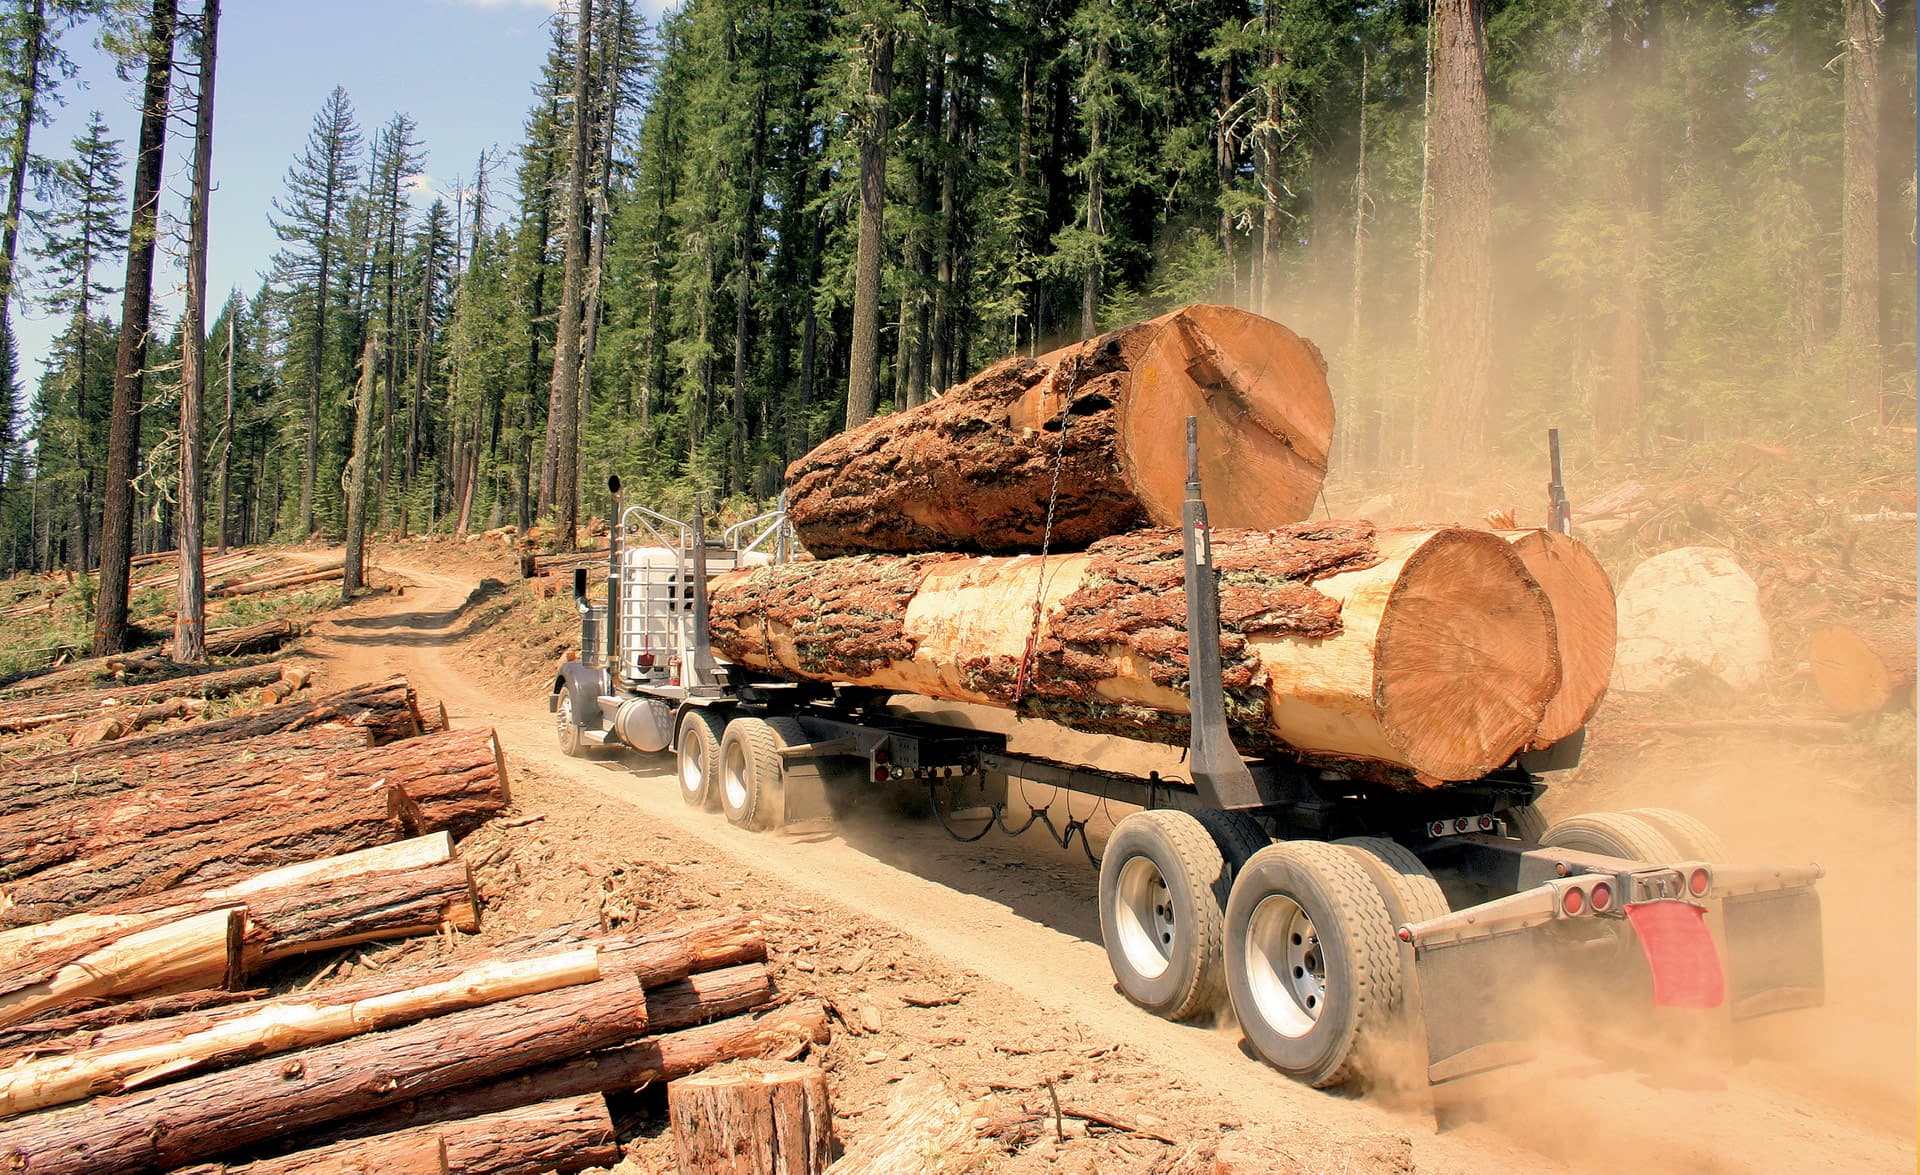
<point x="203" y="1117"/>
<point x="752" y="1119"/>
<point x="1863" y="668"/>
<point x="173" y="1050"/>
<point x="1583" y="624"/>
<point x="780" y="1034"/>
<point x="36" y="1038"/>
<point x="199" y="827"/>
<point x="264" y="637"/>
<point x="33" y="712"/>
<point x="570" y="1134"/>
<point x="975" y="469"/>
<point x="1417" y="655"/>
<point x="410" y="1154"/>
<point x="208" y="943"/>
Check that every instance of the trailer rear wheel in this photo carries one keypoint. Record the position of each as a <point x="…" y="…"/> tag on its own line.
<point x="751" y="789"/>
<point x="571" y="744"/>
<point x="1525" y="822"/>
<point x="1689" y="834"/>
<point x="1407" y="882"/>
<point x="1612" y="834"/>
<point x="1238" y="836"/>
<point x="698" y="758"/>
<point x="1311" y="961"/>
<point x="1161" y="881"/>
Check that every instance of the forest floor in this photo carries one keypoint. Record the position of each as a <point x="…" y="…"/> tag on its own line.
<point x="981" y="963"/>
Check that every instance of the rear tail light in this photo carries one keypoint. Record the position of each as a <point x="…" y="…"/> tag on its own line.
<point x="1699" y="882"/>
<point x="1572" y="901"/>
<point x="1602" y="897"/>
<point x="645" y="660"/>
<point x="1462" y="824"/>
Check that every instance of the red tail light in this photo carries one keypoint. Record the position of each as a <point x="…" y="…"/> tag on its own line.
<point x="1699" y="882"/>
<point x="1572" y="901"/>
<point x="1602" y="897"/>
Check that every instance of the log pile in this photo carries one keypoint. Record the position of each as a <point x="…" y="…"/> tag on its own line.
<point x="161" y="896"/>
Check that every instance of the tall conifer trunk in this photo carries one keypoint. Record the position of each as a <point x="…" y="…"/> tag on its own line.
<point x="360" y="471"/>
<point x="561" y="469"/>
<point x="190" y="624"/>
<point x="123" y="436"/>
<point x="1860" y="217"/>
<point x="863" y="363"/>
<point x="1462" y="275"/>
<point x="33" y="18"/>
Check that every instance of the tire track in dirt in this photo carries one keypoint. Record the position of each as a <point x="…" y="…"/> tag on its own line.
<point x="1025" y="917"/>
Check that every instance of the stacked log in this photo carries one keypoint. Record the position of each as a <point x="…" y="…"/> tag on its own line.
<point x="32" y="712"/>
<point x="501" y="1062"/>
<point x="278" y="579"/>
<point x="1583" y="622"/>
<point x="1416" y="657"/>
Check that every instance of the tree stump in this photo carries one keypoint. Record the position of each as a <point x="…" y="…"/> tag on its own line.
<point x="752" y="1119"/>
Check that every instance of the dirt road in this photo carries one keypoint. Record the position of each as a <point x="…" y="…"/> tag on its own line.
<point x="1021" y="913"/>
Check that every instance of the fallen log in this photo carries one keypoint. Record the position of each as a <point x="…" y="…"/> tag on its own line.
<point x="264" y="637"/>
<point x="290" y="683"/>
<point x="204" y="943"/>
<point x="1862" y="669"/>
<point x="175" y="1049"/>
<point x="456" y="779"/>
<point x="412" y="1154"/>
<point x="752" y="1119"/>
<point x="1583" y="624"/>
<point x="386" y="710"/>
<point x="33" y="712"/>
<point x="1426" y="655"/>
<point x="276" y="581"/>
<point x="124" y="720"/>
<point x="780" y="1034"/>
<point x="38" y="1038"/>
<point x="976" y="469"/>
<point x="202" y="1117"/>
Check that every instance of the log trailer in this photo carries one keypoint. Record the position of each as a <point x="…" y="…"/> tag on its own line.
<point x="1338" y="918"/>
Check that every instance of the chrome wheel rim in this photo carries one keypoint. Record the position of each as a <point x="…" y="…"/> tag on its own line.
<point x="693" y="778"/>
<point x="733" y="776"/>
<point x="1286" y="969"/>
<point x="1143" y="918"/>
<point x="563" y="717"/>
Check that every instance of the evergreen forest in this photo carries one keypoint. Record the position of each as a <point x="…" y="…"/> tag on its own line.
<point x="725" y="233"/>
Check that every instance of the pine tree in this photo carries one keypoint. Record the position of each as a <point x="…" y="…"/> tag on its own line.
<point x="189" y="626"/>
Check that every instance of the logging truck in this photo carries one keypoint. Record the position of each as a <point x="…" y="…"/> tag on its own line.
<point x="1335" y="911"/>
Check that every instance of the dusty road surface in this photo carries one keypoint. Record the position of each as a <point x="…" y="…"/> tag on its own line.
<point x="1014" y="921"/>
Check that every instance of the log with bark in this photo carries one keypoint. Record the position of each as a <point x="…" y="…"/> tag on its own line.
<point x="202" y="1117"/>
<point x="254" y="814"/>
<point x="32" y="712"/>
<point x="205" y="942"/>
<point x="390" y="1154"/>
<point x="566" y="1135"/>
<point x="1410" y="656"/>
<point x="975" y="469"/>
<point x="752" y="1118"/>
<point x="121" y="721"/>
<point x="276" y="580"/>
<point x="1863" y="668"/>
<point x="1583" y="623"/>
<point x="264" y="637"/>
<point x="173" y="1049"/>
<point x="291" y="682"/>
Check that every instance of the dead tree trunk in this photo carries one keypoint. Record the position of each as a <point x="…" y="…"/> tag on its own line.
<point x="189" y="1121"/>
<point x="975" y="469"/>
<point x="752" y="1120"/>
<point x="1413" y="656"/>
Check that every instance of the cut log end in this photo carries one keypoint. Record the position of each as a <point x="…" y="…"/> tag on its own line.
<point x="1263" y="415"/>
<point x="1465" y="662"/>
<point x="1584" y="624"/>
<point x="752" y="1118"/>
<point x="1857" y="674"/>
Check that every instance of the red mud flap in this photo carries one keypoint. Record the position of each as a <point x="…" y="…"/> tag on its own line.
<point x="1681" y="954"/>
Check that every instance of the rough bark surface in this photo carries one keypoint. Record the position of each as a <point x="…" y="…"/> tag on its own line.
<point x="1428" y="654"/>
<point x="412" y="1154"/>
<point x="569" y="1134"/>
<point x="752" y="1118"/>
<point x="31" y="712"/>
<point x="975" y="469"/>
<point x="202" y="1117"/>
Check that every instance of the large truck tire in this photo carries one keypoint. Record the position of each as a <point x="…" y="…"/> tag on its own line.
<point x="1312" y="965"/>
<point x="1161" y="881"/>
<point x="1407" y="882"/>
<point x="697" y="757"/>
<point x="1612" y="834"/>
<point x="752" y="793"/>
<point x="1238" y="837"/>
<point x="1690" y="835"/>
<point x="1525" y="822"/>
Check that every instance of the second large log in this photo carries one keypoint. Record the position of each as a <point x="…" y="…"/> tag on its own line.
<point x="1412" y="656"/>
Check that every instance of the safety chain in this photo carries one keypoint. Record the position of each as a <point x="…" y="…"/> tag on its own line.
<point x="1046" y="540"/>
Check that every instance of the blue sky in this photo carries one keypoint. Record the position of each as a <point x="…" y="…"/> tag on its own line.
<point x="464" y="69"/>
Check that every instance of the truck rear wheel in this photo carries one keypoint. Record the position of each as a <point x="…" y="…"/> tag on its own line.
<point x="1525" y="823"/>
<point x="1612" y="834"/>
<point x="1161" y="881"/>
<point x="1312" y="965"/>
<point x="1689" y="834"/>
<point x="751" y="788"/>
<point x="697" y="755"/>
<point x="1406" y="882"/>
